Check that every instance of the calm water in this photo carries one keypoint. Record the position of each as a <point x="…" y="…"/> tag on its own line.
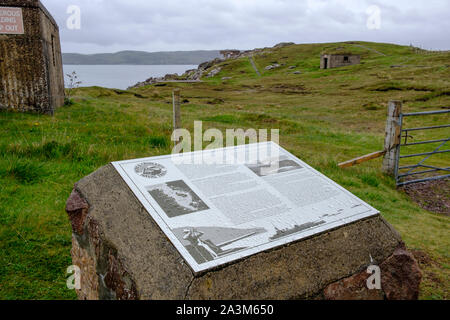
<point x="120" y="76"/>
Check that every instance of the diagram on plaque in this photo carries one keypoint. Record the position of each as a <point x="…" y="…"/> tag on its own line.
<point x="215" y="213"/>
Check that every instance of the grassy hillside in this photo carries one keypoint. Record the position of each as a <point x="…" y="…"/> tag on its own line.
<point x="324" y="117"/>
<point x="141" y="58"/>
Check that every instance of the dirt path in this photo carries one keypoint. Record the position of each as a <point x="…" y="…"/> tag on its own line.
<point x="254" y="66"/>
<point x="361" y="46"/>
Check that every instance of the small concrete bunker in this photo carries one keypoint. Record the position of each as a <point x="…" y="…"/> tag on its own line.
<point x="230" y="54"/>
<point x="159" y="228"/>
<point x="31" y="73"/>
<point x="329" y="61"/>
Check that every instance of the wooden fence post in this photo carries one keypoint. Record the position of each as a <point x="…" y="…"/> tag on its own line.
<point x="393" y="137"/>
<point x="176" y="111"/>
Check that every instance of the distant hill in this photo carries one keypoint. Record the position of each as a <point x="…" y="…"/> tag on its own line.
<point x="142" y="58"/>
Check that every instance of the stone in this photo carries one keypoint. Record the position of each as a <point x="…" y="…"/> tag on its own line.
<point x="401" y="276"/>
<point x="206" y="65"/>
<point x="272" y="66"/>
<point x="195" y="74"/>
<point x="77" y="208"/>
<point x="214" y="72"/>
<point x="123" y="254"/>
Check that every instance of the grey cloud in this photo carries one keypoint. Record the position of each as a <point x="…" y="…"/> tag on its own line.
<point x="112" y="25"/>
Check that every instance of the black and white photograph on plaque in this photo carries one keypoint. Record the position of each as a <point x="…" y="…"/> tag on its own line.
<point x="269" y="167"/>
<point x="210" y="243"/>
<point x="282" y="233"/>
<point x="176" y="198"/>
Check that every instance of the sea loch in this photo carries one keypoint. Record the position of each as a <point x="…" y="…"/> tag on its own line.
<point x="120" y="76"/>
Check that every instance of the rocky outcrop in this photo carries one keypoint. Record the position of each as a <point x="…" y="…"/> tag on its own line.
<point x="209" y="64"/>
<point x="210" y="68"/>
<point x="214" y="72"/>
<point x="284" y="44"/>
<point x="150" y="81"/>
<point x="123" y="254"/>
<point x="189" y="75"/>
<point x="194" y="74"/>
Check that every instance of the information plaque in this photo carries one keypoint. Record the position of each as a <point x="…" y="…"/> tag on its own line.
<point x="216" y="212"/>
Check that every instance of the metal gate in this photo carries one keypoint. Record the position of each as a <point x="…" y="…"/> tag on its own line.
<point x="403" y="174"/>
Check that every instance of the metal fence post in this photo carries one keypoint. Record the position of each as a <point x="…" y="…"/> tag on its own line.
<point x="393" y="137"/>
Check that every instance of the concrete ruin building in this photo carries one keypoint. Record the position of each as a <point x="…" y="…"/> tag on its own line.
<point x="31" y="73"/>
<point x="229" y="54"/>
<point x="329" y="61"/>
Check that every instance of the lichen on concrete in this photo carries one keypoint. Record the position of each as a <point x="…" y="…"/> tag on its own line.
<point x="31" y="73"/>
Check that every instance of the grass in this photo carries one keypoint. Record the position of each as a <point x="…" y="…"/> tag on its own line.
<point x="324" y="117"/>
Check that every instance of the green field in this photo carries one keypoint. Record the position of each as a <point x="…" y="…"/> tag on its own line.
<point x="324" y="117"/>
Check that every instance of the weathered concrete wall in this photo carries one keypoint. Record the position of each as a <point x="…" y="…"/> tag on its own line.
<point x="31" y="76"/>
<point x="52" y="52"/>
<point x="123" y="254"/>
<point x="338" y="60"/>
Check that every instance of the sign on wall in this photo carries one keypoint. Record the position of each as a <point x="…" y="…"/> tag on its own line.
<point x="11" y="20"/>
<point x="218" y="212"/>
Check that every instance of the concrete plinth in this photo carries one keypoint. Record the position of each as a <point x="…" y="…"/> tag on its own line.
<point x="123" y="254"/>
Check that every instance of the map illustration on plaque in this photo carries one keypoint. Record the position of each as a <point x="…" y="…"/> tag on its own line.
<point x="176" y="198"/>
<point x="217" y="213"/>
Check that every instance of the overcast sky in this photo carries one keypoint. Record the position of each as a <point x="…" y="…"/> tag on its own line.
<point x="163" y="25"/>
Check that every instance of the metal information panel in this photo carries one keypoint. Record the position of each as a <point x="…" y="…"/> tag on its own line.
<point x="215" y="213"/>
<point x="11" y="20"/>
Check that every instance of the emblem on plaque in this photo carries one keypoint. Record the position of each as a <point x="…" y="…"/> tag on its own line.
<point x="150" y="170"/>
